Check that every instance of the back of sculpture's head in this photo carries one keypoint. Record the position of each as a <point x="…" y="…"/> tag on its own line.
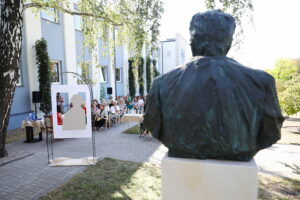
<point x="211" y="33"/>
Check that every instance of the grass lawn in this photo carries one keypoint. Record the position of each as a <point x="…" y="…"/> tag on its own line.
<point x="271" y="187"/>
<point x="112" y="179"/>
<point x="132" y="130"/>
<point x="16" y="135"/>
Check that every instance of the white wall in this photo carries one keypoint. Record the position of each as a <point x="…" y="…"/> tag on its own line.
<point x="173" y="53"/>
<point x="33" y="32"/>
<point x="183" y="50"/>
<point x="168" y="56"/>
<point x="70" y="46"/>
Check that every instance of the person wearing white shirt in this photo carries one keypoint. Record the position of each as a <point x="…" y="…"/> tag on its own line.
<point x="141" y="104"/>
<point x="115" y="111"/>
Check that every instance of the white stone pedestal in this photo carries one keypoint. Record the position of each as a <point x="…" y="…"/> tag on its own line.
<point x="191" y="179"/>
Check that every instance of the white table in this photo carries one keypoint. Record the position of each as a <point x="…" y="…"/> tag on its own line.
<point x="31" y="127"/>
<point x="132" y="118"/>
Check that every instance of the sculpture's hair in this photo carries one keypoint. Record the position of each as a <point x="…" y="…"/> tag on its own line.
<point x="211" y="33"/>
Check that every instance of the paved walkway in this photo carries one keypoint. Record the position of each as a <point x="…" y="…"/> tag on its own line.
<point x="30" y="177"/>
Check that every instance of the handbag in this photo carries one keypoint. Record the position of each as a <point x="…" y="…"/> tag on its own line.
<point x="98" y="118"/>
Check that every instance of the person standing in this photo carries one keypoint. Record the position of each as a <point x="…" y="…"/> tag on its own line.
<point x="60" y="102"/>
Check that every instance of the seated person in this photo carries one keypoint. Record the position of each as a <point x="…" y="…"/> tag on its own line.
<point x="123" y="107"/>
<point x="140" y="104"/>
<point x="100" y="117"/>
<point x="135" y="104"/>
<point x="115" y="111"/>
<point x="94" y="111"/>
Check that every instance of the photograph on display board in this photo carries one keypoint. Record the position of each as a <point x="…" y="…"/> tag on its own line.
<point x="71" y="105"/>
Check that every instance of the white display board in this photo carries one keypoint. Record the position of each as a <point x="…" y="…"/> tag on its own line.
<point x="78" y="93"/>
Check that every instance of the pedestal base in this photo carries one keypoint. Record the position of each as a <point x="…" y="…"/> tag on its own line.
<point x="208" y="179"/>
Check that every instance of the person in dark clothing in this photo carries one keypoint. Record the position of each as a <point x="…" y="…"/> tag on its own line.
<point x="100" y="117"/>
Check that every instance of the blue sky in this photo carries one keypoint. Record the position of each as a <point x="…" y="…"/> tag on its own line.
<point x="274" y="34"/>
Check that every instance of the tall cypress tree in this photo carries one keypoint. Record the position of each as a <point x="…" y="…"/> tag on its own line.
<point x="156" y="73"/>
<point x="43" y="63"/>
<point x="141" y="77"/>
<point x="131" y="78"/>
<point x="149" y="73"/>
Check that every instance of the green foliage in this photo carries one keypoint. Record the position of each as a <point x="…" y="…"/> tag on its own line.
<point x="84" y="76"/>
<point x="137" y="21"/>
<point x="111" y="179"/>
<point x="131" y="78"/>
<point x="43" y="63"/>
<point x="141" y="77"/>
<point x="155" y="71"/>
<point x="149" y="73"/>
<point x="240" y="9"/>
<point x="284" y="69"/>
<point x="287" y="76"/>
<point x="289" y="98"/>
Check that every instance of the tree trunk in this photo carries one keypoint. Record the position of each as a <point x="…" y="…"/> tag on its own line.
<point x="11" y="23"/>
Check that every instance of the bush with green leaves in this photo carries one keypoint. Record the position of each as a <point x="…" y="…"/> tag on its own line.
<point x="287" y="76"/>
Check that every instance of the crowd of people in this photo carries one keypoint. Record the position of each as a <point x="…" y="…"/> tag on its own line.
<point x="108" y="111"/>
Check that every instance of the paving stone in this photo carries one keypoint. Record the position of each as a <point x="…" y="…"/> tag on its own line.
<point x="31" y="177"/>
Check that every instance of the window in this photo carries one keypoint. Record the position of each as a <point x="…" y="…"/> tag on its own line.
<point x="77" y="19"/>
<point x="19" y="81"/>
<point x="168" y="53"/>
<point x="103" y="74"/>
<point x="55" y="71"/>
<point x="118" y="74"/>
<point x="182" y="54"/>
<point x="50" y="14"/>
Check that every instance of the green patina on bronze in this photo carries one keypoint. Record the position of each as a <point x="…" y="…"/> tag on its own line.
<point x="213" y="107"/>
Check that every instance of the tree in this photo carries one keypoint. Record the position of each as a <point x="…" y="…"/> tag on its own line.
<point x="287" y="76"/>
<point x="149" y="73"/>
<point x="285" y="69"/>
<point x="141" y="77"/>
<point x="43" y="63"/>
<point x="156" y="72"/>
<point x="289" y="98"/>
<point x="133" y="18"/>
<point x="131" y="78"/>
<point x="239" y="9"/>
<point x="10" y="52"/>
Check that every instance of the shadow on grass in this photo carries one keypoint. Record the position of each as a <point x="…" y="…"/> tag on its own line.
<point x="112" y="180"/>
<point x="271" y="187"/>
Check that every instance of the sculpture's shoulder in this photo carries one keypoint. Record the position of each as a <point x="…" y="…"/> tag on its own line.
<point x="171" y="75"/>
<point x="260" y="76"/>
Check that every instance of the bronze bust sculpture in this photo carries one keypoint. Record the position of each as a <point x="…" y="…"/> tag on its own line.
<point x="213" y="107"/>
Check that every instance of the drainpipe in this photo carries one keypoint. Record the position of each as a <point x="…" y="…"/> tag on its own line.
<point x="115" y="60"/>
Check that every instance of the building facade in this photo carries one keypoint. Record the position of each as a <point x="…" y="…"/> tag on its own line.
<point x="173" y="53"/>
<point x="66" y="52"/>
